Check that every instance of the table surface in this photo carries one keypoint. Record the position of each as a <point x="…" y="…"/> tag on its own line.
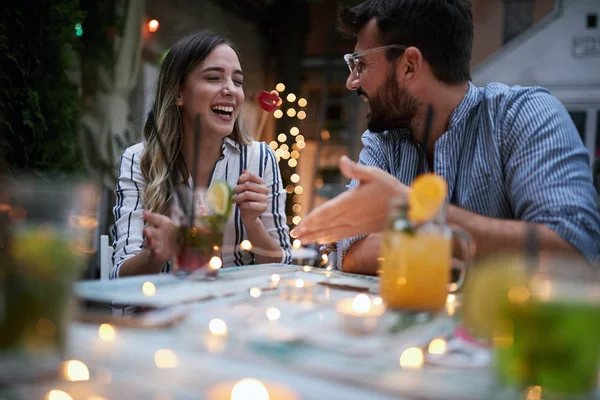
<point x="306" y="349"/>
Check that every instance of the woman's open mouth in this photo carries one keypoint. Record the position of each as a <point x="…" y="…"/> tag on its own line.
<point x="224" y="113"/>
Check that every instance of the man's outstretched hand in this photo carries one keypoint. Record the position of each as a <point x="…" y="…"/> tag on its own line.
<point x="359" y="211"/>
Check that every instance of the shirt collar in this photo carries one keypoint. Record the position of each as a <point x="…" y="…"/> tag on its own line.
<point x="471" y="99"/>
<point x="231" y="143"/>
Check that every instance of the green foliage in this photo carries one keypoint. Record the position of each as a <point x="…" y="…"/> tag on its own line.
<point x="40" y="104"/>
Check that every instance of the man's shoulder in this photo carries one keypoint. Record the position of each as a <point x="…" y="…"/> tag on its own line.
<point x="504" y="97"/>
<point x="386" y="136"/>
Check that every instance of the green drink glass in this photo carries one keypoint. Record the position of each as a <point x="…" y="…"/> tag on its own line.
<point x="549" y="338"/>
<point x="48" y="231"/>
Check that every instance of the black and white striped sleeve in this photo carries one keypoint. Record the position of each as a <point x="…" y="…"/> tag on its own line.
<point x="128" y="210"/>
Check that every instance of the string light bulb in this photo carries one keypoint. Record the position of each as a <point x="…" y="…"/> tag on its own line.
<point x="153" y="25"/>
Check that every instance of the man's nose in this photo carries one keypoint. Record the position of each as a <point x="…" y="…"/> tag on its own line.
<point x="352" y="82"/>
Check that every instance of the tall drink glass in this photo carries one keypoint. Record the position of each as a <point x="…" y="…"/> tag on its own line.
<point x="48" y="231"/>
<point x="416" y="261"/>
<point x="200" y="235"/>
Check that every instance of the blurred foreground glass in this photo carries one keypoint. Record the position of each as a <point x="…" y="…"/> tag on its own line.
<point x="200" y="236"/>
<point x="48" y="230"/>
<point x="549" y="337"/>
<point x="416" y="261"/>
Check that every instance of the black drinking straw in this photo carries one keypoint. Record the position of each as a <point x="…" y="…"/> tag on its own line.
<point x="164" y="154"/>
<point x="194" y="172"/>
<point x="532" y="248"/>
<point x="423" y="148"/>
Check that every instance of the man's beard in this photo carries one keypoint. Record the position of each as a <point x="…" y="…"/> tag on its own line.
<point x="392" y="107"/>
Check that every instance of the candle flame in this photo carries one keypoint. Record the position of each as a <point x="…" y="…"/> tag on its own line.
<point x="107" y="332"/>
<point x="246" y="245"/>
<point x="273" y="313"/>
<point x="217" y="327"/>
<point x="275" y="278"/>
<point x="299" y="283"/>
<point x="215" y="263"/>
<point x="437" y="346"/>
<point x="361" y="304"/>
<point x="165" y="358"/>
<point x="249" y="389"/>
<point x="255" y="292"/>
<point x="75" y="370"/>
<point x="411" y="358"/>
<point x="55" y="394"/>
<point x="149" y="289"/>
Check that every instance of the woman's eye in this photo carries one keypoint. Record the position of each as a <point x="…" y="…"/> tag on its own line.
<point x="213" y="78"/>
<point x="238" y="82"/>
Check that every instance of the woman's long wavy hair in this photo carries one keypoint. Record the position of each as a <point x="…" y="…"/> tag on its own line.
<point x="180" y="61"/>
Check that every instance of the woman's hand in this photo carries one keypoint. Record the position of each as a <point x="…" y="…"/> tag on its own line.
<point x="161" y="237"/>
<point x="251" y="195"/>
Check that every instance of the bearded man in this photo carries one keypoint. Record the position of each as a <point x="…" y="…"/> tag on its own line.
<point x="511" y="156"/>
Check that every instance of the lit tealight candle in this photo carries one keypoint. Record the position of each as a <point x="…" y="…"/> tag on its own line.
<point x="246" y="245"/>
<point x="360" y="315"/>
<point x="217" y="327"/>
<point x="297" y="244"/>
<point x="273" y="313"/>
<point x="411" y="358"/>
<point x="297" y="290"/>
<point x="56" y="394"/>
<point x="361" y="304"/>
<point x="148" y="289"/>
<point x="75" y="371"/>
<point x="165" y="358"/>
<point x="255" y="292"/>
<point x="250" y="389"/>
<point x="107" y="333"/>
<point x="437" y="346"/>
<point x="215" y="263"/>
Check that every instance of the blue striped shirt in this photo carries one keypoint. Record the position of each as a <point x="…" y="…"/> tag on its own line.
<point x="510" y="153"/>
<point x="256" y="157"/>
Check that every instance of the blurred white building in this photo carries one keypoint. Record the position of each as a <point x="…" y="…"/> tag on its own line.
<point x="561" y="52"/>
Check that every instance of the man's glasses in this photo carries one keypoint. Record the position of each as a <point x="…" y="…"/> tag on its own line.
<point x="353" y="59"/>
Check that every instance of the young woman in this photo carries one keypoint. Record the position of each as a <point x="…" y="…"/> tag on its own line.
<point x="201" y="75"/>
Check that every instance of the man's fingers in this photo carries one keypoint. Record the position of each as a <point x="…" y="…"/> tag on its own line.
<point x="353" y="170"/>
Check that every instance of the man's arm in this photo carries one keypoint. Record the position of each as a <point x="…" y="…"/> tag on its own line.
<point x="492" y="235"/>
<point x="547" y="178"/>
<point x="362" y="256"/>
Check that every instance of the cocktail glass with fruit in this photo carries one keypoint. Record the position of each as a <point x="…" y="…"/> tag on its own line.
<point x="201" y="223"/>
<point x="416" y="253"/>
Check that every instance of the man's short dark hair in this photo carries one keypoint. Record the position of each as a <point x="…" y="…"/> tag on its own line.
<point x="441" y="29"/>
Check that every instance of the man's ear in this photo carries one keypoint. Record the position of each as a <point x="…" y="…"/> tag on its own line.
<point x="412" y="65"/>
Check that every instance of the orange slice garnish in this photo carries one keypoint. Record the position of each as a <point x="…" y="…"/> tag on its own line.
<point x="427" y="195"/>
